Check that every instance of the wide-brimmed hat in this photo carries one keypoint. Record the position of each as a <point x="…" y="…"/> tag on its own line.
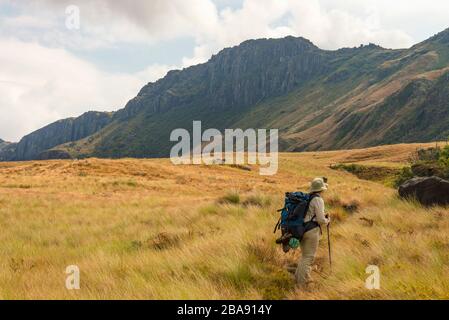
<point x="318" y="185"/>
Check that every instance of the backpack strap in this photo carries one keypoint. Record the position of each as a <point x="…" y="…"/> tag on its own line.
<point x="312" y="224"/>
<point x="277" y="226"/>
<point x="312" y="196"/>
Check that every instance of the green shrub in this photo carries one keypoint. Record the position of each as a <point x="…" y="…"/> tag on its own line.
<point x="209" y="209"/>
<point x="405" y="174"/>
<point x="371" y="173"/>
<point x="240" y="277"/>
<point x="230" y="198"/>
<point x="131" y="183"/>
<point x="444" y="157"/>
<point x="430" y="154"/>
<point x="276" y="285"/>
<point x="424" y="163"/>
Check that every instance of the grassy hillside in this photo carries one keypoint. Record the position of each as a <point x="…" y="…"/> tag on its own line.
<point x="144" y="229"/>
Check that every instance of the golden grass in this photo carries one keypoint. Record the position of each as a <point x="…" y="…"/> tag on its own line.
<point x="145" y="229"/>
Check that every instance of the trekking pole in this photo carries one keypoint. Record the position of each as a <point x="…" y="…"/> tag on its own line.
<point x="329" y="244"/>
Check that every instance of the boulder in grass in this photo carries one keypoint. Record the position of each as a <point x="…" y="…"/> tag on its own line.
<point x="428" y="191"/>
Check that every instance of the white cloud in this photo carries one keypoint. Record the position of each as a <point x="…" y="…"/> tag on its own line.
<point x="252" y="20"/>
<point x="39" y="85"/>
<point x="26" y="21"/>
<point x="329" y="24"/>
<point x="108" y="22"/>
<point x="336" y="27"/>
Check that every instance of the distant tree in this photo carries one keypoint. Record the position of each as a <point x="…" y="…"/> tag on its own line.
<point x="444" y="157"/>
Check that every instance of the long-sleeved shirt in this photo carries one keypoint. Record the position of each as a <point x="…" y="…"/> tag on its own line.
<point x="316" y="209"/>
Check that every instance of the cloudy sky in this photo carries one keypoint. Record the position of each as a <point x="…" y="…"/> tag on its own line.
<point x="50" y="69"/>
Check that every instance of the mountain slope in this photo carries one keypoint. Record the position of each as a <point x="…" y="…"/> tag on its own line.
<point x="216" y="93"/>
<point x="319" y="100"/>
<point x="3" y="144"/>
<point x="36" y="144"/>
<point x="232" y="85"/>
<point x="7" y="150"/>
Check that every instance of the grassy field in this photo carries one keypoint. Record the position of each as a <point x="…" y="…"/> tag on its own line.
<point x="145" y="229"/>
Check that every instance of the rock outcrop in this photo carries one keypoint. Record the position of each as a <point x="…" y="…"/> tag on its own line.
<point x="428" y="191"/>
<point x="237" y="77"/>
<point x="34" y="145"/>
<point x="3" y="144"/>
<point x="7" y="150"/>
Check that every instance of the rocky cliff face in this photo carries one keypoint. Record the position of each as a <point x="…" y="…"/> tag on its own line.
<point x="318" y="99"/>
<point x="7" y="150"/>
<point x="31" y="146"/>
<point x="230" y="85"/>
<point x="235" y="78"/>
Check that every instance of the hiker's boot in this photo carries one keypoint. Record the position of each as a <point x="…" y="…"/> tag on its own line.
<point x="286" y="247"/>
<point x="285" y="238"/>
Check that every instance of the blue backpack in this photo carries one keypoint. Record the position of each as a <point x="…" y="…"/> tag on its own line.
<point x="291" y="222"/>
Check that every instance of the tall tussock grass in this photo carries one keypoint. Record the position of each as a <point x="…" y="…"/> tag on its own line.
<point x="145" y="229"/>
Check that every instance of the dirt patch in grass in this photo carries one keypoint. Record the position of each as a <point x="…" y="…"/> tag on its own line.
<point x="241" y="167"/>
<point x="370" y="173"/>
<point x="165" y="240"/>
<point x="352" y="206"/>
<point x="341" y="208"/>
<point x="19" y="186"/>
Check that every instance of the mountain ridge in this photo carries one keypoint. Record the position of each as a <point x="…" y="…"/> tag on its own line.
<point x="319" y="99"/>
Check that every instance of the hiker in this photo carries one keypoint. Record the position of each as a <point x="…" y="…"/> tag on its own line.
<point x="309" y="243"/>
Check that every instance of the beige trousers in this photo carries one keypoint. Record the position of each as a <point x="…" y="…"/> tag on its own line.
<point x="309" y="246"/>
